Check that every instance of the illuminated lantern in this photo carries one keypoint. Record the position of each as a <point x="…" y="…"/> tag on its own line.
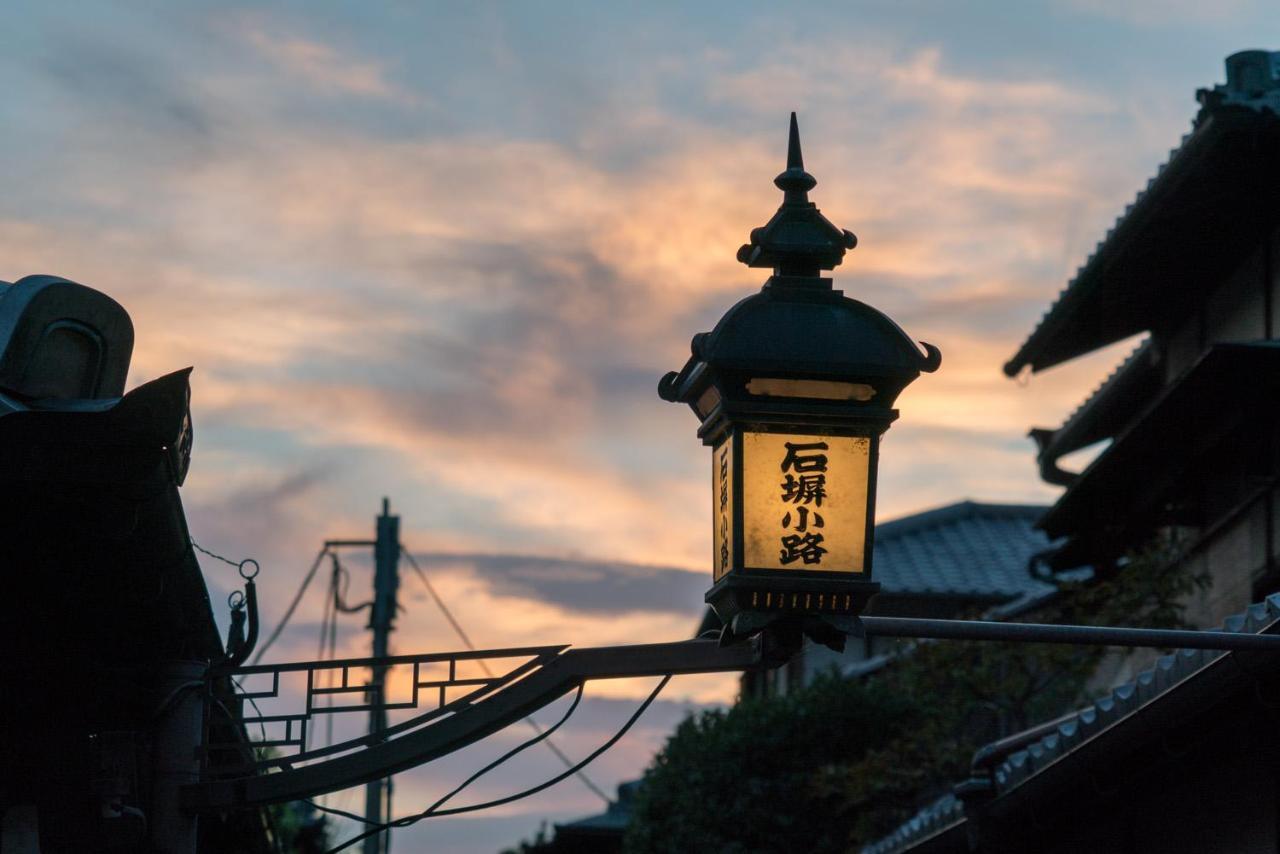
<point x="794" y="388"/>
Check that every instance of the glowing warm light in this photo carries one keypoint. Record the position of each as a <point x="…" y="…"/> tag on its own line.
<point x="722" y="507"/>
<point x="804" y="500"/>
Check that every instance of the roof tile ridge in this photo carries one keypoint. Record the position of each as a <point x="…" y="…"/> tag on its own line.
<point x="1063" y="294"/>
<point x="1167" y="672"/>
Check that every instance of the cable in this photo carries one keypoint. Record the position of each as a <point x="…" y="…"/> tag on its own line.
<point x="172" y="698"/>
<point x="434" y="811"/>
<point x="251" y="758"/>
<point x="486" y="769"/>
<point x="333" y="643"/>
<point x="297" y="597"/>
<point x="341" y="584"/>
<point x="330" y="601"/>
<point x="201" y="548"/>
<point x="444" y="609"/>
<point x="653" y="695"/>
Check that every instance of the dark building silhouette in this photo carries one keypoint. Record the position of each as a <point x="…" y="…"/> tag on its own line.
<point x="1181" y="755"/>
<point x="105" y="623"/>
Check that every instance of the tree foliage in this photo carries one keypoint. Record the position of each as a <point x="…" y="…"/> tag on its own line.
<point x="839" y="763"/>
<point x="295" y="827"/>
<point x="743" y="779"/>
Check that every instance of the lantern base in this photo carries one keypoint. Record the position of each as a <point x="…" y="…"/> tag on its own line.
<point x="823" y="608"/>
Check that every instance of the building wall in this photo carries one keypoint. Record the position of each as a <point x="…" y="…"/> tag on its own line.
<point x="1237" y="521"/>
<point x="1233" y="311"/>
<point x="1231" y="559"/>
<point x="1180" y="346"/>
<point x="1244" y="306"/>
<point x="1234" y="559"/>
<point x="1238" y="518"/>
<point x="1271" y="269"/>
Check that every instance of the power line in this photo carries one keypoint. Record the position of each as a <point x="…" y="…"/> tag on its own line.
<point x="486" y="769"/>
<point x="434" y="811"/>
<point x="444" y="609"/>
<point x="328" y="624"/>
<point x="297" y="597"/>
<point x="333" y="643"/>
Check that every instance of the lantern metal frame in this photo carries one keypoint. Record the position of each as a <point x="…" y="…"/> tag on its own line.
<point x="803" y="337"/>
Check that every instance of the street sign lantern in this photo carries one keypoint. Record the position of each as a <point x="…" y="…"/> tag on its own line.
<point x="793" y="388"/>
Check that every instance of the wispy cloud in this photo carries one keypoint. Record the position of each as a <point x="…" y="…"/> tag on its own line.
<point x="467" y="307"/>
<point x="323" y="66"/>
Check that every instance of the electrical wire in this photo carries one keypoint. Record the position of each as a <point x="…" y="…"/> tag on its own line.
<point x="510" y="753"/>
<point x="297" y="597"/>
<point x="434" y="811"/>
<point x="333" y="644"/>
<point x="330" y="601"/>
<point x="341" y="585"/>
<point x="462" y="635"/>
<point x="444" y="609"/>
<point x="250" y="758"/>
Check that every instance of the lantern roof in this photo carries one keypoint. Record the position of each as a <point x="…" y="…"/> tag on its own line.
<point x="798" y="325"/>
<point x="798" y="240"/>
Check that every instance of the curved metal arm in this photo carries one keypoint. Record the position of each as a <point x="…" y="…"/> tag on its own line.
<point x="471" y="721"/>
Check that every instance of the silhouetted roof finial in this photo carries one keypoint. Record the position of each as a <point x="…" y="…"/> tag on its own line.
<point x="795" y="160"/>
<point x="798" y="241"/>
<point x="795" y="182"/>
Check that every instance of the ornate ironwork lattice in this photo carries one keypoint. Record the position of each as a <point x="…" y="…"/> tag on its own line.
<point x="281" y="740"/>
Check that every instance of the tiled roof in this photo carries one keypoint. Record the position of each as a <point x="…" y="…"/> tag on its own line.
<point x="1075" y="730"/>
<point x="939" y="816"/>
<point x="616" y="816"/>
<point x="1169" y="670"/>
<point x="965" y="549"/>
<point x="1085" y="275"/>
<point x="1046" y="345"/>
<point x="1126" y="388"/>
<point x="1116" y="497"/>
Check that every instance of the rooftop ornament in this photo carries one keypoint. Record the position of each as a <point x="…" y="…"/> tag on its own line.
<point x="793" y="389"/>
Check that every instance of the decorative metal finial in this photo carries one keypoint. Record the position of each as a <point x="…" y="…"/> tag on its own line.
<point x="798" y="241"/>
<point x="795" y="160"/>
<point x="795" y="182"/>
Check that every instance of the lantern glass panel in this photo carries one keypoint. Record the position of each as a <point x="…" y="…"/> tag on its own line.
<point x="804" y="501"/>
<point x="722" y="509"/>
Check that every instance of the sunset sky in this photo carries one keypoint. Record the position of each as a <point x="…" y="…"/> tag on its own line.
<point x="443" y="253"/>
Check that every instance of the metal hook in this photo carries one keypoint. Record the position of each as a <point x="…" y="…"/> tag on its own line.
<point x="235" y="601"/>
<point x="256" y="569"/>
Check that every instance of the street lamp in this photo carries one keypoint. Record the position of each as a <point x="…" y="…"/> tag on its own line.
<point x="793" y="389"/>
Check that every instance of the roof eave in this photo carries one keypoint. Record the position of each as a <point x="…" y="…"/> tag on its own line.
<point x="1079" y="322"/>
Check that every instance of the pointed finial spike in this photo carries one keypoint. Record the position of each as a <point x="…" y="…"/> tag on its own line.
<point x="795" y="160"/>
<point x="798" y="241"/>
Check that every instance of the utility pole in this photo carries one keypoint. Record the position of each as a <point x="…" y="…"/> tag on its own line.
<point x="386" y="580"/>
